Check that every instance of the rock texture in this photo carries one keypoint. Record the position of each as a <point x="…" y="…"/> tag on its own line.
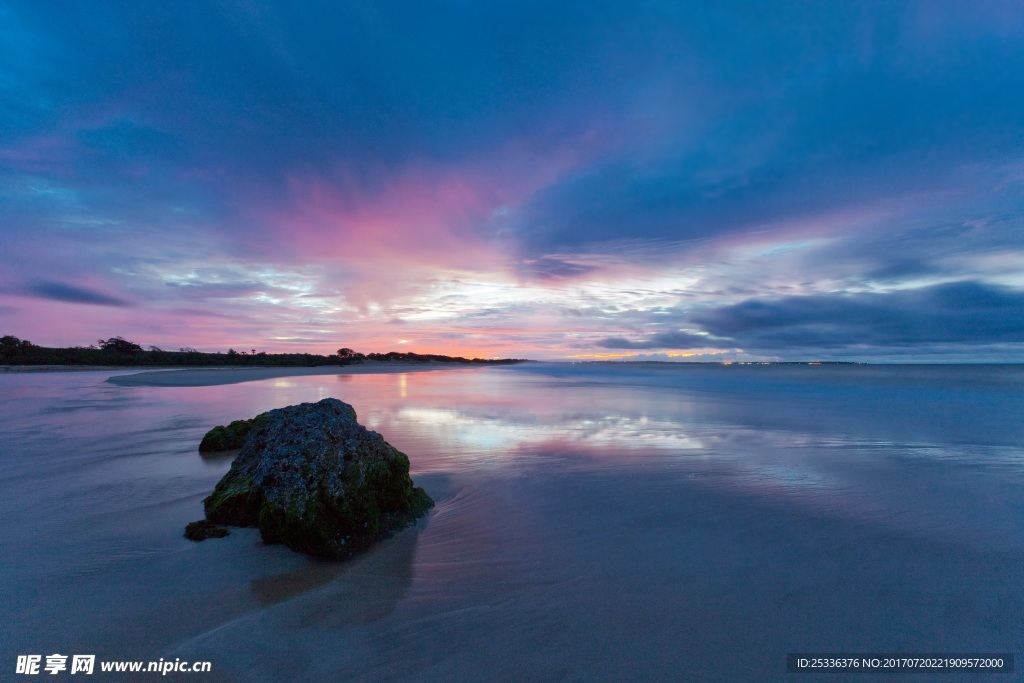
<point x="202" y="530"/>
<point x="311" y="477"/>
<point x="225" y="438"/>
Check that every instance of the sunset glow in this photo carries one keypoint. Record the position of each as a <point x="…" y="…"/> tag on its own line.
<point x="594" y="181"/>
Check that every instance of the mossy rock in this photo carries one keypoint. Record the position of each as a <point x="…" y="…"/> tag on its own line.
<point x="226" y="438"/>
<point x="203" y="529"/>
<point x="311" y="477"/>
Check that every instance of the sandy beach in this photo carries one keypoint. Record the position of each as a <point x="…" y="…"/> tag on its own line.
<point x="17" y="369"/>
<point x="208" y="377"/>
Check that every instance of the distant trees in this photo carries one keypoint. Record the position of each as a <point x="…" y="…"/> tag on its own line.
<point x="347" y="355"/>
<point x="121" y="351"/>
<point x="11" y="347"/>
<point x="10" y="343"/>
<point x="119" y="345"/>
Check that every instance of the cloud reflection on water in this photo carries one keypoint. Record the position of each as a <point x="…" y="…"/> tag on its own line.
<point x="489" y="432"/>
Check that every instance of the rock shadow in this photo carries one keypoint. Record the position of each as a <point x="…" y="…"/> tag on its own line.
<point x="363" y="589"/>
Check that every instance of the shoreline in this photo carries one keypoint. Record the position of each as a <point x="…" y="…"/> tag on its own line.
<point x="206" y="377"/>
<point x="21" y="369"/>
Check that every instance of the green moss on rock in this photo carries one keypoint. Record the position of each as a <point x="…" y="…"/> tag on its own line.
<point x="311" y="477"/>
<point x="203" y="529"/>
<point x="232" y="436"/>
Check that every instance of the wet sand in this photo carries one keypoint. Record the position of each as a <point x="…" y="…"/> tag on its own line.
<point x="18" y="369"/>
<point x="591" y="524"/>
<point x="208" y="377"/>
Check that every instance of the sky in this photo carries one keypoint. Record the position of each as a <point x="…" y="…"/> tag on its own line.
<point x="569" y="180"/>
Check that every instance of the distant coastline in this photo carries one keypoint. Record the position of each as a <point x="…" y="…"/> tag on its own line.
<point x="720" y="362"/>
<point x="118" y="353"/>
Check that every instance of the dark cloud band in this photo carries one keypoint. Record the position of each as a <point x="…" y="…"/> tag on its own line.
<point x="60" y="291"/>
<point x="952" y="313"/>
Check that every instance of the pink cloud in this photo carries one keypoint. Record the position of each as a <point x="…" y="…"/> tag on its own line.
<point x="384" y="235"/>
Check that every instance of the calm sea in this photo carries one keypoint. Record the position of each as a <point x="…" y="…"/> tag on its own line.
<point x="594" y="522"/>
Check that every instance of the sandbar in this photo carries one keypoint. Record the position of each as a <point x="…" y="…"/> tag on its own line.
<point x="206" y="377"/>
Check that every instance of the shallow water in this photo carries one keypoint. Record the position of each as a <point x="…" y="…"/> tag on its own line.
<point x="594" y="522"/>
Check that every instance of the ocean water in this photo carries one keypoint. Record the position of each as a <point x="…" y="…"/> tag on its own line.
<point x="593" y="522"/>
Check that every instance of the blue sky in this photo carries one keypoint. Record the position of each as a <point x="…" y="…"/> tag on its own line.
<point x="630" y="180"/>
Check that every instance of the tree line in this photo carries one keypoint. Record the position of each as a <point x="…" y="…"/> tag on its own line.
<point x="120" y="351"/>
